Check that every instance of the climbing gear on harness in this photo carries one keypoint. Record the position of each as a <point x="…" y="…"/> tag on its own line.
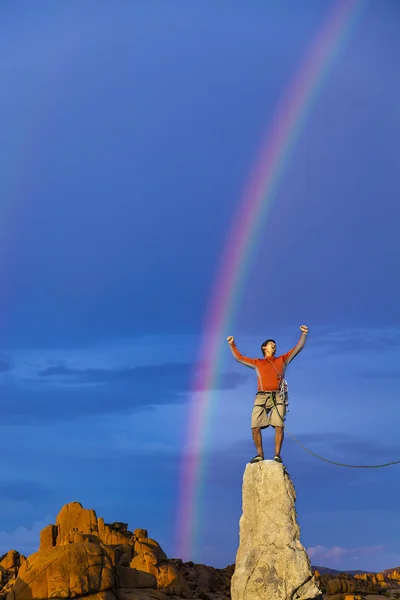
<point x="256" y="459"/>
<point x="284" y="393"/>
<point x="283" y="387"/>
<point x="332" y="462"/>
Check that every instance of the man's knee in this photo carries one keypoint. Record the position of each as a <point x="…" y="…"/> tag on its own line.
<point x="278" y="429"/>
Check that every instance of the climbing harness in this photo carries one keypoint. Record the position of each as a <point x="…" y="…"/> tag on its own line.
<point x="332" y="462"/>
<point x="283" y="386"/>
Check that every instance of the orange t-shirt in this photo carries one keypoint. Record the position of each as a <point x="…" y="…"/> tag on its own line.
<point x="270" y="370"/>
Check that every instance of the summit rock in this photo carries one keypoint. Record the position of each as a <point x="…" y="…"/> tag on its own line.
<point x="271" y="562"/>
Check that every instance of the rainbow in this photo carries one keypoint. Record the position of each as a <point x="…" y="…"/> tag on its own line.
<point x="288" y="123"/>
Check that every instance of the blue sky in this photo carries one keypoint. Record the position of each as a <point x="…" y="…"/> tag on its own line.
<point x="128" y="134"/>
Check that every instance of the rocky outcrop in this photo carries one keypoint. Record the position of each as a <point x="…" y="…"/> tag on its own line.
<point x="83" y="557"/>
<point x="271" y="563"/>
<point x="149" y="557"/>
<point x="68" y="571"/>
<point x="344" y="586"/>
<point x="10" y="564"/>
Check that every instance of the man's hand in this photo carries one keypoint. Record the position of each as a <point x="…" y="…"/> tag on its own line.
<point x="304" y="329"/>
<point x="230" y="340"/>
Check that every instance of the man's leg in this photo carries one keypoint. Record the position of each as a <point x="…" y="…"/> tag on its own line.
<point x="279" y="434"/>
<point x="256" y="431"/>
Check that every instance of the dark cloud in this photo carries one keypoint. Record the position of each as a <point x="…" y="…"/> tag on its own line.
<point x="65" y="393"/>
<point x="44" y="403"/>
<point x="25" y="491"/>
<point x="176" y="376"/>
<point x="336" y="342"/>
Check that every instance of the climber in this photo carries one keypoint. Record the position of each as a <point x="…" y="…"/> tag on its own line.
<point x="270" y="402"/>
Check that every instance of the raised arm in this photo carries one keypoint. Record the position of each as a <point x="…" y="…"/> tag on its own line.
<point x="289" y="356"/>
<point x="248" y="362"/>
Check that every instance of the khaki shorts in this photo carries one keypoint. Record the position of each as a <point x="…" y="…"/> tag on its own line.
<point x="264" y="412"/>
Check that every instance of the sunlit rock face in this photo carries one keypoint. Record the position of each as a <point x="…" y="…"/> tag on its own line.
<point x="271" y="563"/>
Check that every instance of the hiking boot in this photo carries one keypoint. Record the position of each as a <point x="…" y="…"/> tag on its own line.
<point x="257" y="459"/>
<point x="277" y="458"/>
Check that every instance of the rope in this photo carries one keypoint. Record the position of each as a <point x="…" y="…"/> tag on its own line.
<point x="332" y="462"/>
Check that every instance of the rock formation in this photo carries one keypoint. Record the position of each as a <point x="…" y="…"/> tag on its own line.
<point x="10" y="564"/>
<point x="271" y="563"/>
<point x="344" y="586"/>
<point x="81" y="557"/>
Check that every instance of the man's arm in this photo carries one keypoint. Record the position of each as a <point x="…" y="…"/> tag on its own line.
<point x="289" y="356"/>
<point x="248" y="362"/>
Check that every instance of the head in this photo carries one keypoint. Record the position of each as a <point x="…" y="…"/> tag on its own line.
<point x="268" y="348"/>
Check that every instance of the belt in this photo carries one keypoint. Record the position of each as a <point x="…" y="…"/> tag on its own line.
<point x="268" y="392"/>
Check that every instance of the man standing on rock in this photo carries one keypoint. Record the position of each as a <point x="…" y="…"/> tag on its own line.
<point x="269" y="405"/>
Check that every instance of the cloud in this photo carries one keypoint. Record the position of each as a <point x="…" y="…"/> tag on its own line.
<point x="63" y="393"/>
<point x="177" y="376"/>
<point x="335" y="554"/>
<point x="129" y="376"/>
<point x="18" y="491"/>
<point x="350" y="340"/>
<point x="29" y="405"/>
<point x="24" y="539"/>
<point x="165" y="371"/>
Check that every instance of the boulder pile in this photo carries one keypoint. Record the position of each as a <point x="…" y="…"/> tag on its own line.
<point x="82" y="557"/>
<point x="357" y="587"/>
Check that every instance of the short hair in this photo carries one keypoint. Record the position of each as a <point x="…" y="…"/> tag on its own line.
<point x="264" y="344"/>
